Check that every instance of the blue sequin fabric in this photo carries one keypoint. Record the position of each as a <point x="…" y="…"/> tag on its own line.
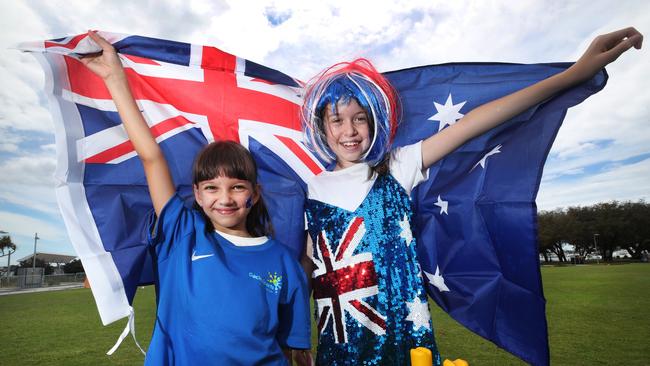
<point x="371" y="306"/>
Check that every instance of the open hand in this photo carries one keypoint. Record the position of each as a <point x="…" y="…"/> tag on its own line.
<point x="106" y="63"/>
<point x="605" y="49"/>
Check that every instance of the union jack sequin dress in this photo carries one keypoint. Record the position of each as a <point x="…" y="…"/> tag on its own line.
<point x="371" y="304"/>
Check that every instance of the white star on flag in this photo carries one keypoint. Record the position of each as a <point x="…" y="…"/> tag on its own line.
<point x="406" y="230"/>
<point x="448" y="113"/>
<point x="443" y="205"/>
<point x="481" y="162"/>
<point x="418" y="314"/>
<point x="437" y="280"/>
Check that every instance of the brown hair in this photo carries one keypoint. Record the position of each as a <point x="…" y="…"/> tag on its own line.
<point x="230" y="159"/>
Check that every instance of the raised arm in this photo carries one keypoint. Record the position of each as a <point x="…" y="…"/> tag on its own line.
<point x="603" y="50"/>
<point x="107" y="65"/>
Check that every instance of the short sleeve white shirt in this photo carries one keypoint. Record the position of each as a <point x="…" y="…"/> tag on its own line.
<point x="347" y="188"/>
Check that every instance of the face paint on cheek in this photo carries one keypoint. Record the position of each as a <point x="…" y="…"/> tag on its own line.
<point x="249" y="202"/>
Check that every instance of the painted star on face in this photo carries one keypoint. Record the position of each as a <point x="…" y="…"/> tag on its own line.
<point x="406" y="230"/>
<point x="448" y="113"/>
<point x="481" y="162"/>
<point x="419" y="314"/>
<point x="437" y="280"/>
<point x="443" y="205"/>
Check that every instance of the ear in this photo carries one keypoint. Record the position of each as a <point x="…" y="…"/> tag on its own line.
<point x="195" y="188"/>
<point x="257" y="192"/>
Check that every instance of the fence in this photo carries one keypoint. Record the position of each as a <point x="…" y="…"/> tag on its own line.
<point x="26" y="279"/>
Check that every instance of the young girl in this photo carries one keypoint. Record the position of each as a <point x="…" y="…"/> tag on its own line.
<point x="228" y="295"/>
<point x="369" y="292"/>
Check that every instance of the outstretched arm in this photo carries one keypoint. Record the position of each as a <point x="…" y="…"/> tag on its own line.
<point x="107" y="65"/>
<point x="603" y="50"/>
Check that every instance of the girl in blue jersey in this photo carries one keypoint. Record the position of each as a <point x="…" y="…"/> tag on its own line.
<point x="228" y="295"/>
<point x="367" y="283"/>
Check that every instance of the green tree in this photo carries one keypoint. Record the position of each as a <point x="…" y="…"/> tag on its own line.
<point x="552" y="233"/>
<point x="6" y="246"/>
<point x="603" y="228"/>
<point x="581" y="230"/>
<point x="636" y="237"/>
<point x="74" y="266"/>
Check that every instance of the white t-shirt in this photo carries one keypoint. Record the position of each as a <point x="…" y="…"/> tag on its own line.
<point x="241" y="241"/>
<point x="347" y="188"/>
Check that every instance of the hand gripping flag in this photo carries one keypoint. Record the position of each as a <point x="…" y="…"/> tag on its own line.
<point x="475" y="215"/>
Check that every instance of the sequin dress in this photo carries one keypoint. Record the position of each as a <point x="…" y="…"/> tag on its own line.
<point x="371" y="304"/>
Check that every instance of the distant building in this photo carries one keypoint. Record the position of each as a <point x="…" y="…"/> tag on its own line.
<point x="55" y="260"/>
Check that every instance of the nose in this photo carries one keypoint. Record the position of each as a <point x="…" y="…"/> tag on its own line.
<point x="349" y="129"/>
<point x="224" y="198"/>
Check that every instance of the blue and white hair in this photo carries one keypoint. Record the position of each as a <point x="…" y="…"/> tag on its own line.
<point x="341" y="83"/>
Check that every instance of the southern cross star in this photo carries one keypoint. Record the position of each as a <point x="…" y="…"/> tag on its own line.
<point x="443" y="205"/>
<point x="448" y="113"/>
<point x="495" y="150"/>
<point x="437" y="280"/>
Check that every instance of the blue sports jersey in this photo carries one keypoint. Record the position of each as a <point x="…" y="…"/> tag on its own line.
<point x="220" y="304"/>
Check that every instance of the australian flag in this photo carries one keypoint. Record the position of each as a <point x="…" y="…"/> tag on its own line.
<point x="475" y="215"/>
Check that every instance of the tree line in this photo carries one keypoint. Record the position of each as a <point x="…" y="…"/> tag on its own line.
<point x="600" y="229"/>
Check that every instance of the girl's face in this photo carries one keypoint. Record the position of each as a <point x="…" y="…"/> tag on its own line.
<point x="347" y="132"/>
<point x="227" y="202"/>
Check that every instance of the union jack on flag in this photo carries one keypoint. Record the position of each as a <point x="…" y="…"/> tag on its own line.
<point x="189" y="95"/>
<point x="475" y="217"/>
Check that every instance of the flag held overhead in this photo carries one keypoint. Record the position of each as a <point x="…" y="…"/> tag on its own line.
<point x="475" y="215"/>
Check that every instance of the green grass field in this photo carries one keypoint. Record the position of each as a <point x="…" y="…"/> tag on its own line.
<point x="597" y="315"/>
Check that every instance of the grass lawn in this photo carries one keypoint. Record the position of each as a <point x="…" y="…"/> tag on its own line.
<point x="597" y="315"/>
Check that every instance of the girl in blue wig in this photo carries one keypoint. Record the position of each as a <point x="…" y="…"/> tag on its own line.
<point x="367" y="285"/>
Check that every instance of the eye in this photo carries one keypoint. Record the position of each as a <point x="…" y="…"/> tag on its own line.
<point x="209" y="187"/>
<point x="332" y="117"/>
<point x="239" y="187"/>
<point x="361" y="119"/>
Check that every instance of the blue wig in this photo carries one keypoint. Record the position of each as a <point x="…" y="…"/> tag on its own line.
<point x="341" y="83"/>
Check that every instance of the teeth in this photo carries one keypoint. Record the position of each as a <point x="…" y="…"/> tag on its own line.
<point x="349" y="144"/>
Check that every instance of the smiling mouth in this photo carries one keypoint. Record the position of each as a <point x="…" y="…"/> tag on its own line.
<point x="351" y="144"/>
<point x="226" y="211"/>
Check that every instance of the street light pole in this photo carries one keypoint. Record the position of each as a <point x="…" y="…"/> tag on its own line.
<point x="34" y="259"/>
<point x="596" y="246"/>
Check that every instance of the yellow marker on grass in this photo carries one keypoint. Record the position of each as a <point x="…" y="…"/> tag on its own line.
<point x="456" y="362"/>
<point x="422" y="357"/>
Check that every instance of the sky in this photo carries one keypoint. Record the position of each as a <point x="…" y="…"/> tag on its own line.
<point x="602" y="152"/>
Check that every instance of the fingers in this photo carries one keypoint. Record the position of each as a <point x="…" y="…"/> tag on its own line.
<point x="637" y="40"/>
<point x="626" y="35"/>
<point x="101" y="42"/>
<point x="611" y="45"/>
<point x="619" y="49"/>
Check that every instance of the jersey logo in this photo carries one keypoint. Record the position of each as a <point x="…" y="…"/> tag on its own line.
<point x="197" y="257"/>
<point x="273" y="282"/>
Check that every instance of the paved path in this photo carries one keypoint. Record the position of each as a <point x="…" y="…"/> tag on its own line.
<point x="13" y="291"/>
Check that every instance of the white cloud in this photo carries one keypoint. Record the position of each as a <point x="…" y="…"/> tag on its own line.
<point x="28" y="181"/>
<point x="17" y="224"/>
<point x="28" y="170"/>
<point x="625" y="182"/>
